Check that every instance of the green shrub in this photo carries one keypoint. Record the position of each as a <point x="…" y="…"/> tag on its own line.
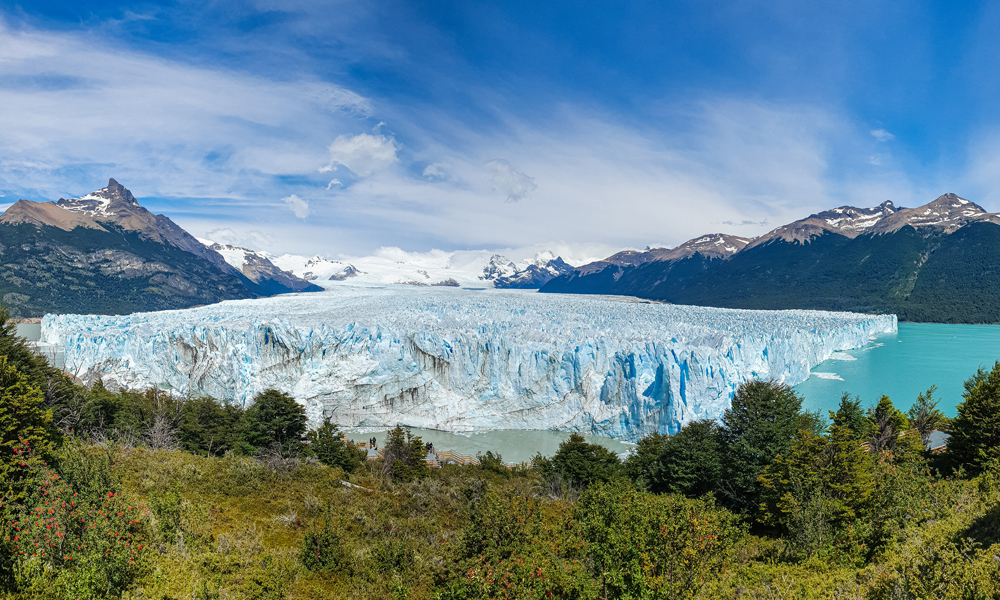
<point x="403" y="455"/>
<point x="689" y="462"/>
<point x="643" y="545"/>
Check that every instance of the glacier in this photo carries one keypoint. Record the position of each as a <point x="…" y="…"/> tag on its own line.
<point x="462" y="360"/>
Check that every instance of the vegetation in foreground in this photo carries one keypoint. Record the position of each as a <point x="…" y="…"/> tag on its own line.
<point x="129" y="495"/>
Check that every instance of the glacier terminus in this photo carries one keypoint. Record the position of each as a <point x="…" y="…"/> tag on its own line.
<point x="463" y="360"/>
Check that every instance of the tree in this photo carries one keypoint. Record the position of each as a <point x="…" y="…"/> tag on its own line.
<point x="581" y="463"/>
<point x="403" y="455"/>
<point x="975" y="433"/>
<point x="758" y="426"/>
<point x="208" y="427"/>
<point x="850" y="415"/>
<point x="325" y="444"/>
<point x="23" y="421"/>
<point x="925" y="417"/>
<point x="689" y="462"/>
<point x="274" y="420"/>
<point x="102" y="410"/>
<point x="886" y="423"/>
<point x="61" y="396"/>
<point x="818" y="488"/>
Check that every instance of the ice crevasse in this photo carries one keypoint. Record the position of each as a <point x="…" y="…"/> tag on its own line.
<point x="463" y="360"/>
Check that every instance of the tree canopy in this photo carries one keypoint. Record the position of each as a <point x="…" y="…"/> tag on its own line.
<point x="975" y="431"/>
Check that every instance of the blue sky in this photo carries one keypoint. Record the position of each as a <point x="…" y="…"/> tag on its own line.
<point x="336" y="128"/>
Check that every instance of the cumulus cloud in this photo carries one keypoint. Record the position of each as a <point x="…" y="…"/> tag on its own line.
<point x="363" y="154"/>
<point x="882" y="135"/>
<point x="297" y="205"/>
<point x="508" y="181"/>
<point x="333" y="182"/>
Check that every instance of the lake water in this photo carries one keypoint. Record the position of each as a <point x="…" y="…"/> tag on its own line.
<point x="513" y="445"/>
<point x="903" y="364"/>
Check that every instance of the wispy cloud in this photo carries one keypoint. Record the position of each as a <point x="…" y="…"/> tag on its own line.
<point x="152" y="122"/>
<point x="882" y="135"/>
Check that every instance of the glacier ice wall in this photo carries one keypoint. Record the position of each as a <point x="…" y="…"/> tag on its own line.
<point x="461" y="360"/>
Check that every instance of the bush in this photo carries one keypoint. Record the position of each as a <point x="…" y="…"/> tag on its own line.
<point x="403" y="455"/>
<point x="323" y="550"/>
<point x="209" y="427"/>
<point x="76" y="546"/>
<point x="759" y="425"/>
<point x="643" y="545"/>
<point x="24" y="423"/>
<point x="975" y="433"/>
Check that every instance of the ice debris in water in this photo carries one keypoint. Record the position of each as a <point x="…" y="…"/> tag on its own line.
<point x="460" y="360"/>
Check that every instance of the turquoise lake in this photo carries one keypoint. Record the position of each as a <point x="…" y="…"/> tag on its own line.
<point x="903" y="364"/>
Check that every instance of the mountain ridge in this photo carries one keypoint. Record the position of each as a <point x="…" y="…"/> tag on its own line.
<point x="879" y="259"/>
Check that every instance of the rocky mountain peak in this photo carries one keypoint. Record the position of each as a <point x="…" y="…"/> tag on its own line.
<point x="105" y="202"/>
<point x="947" y="212"/>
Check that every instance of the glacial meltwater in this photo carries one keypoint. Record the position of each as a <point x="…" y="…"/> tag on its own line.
<point x="903" y="364"/>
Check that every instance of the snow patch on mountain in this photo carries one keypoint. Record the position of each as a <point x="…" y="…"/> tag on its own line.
<point x="462" y="360"/>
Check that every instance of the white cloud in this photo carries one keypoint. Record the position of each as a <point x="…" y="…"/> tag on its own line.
<point x="508" y="181"/>
<point x="254" y="240"/>
<point x="333" y="182"/>
<point x="363" y="154"/>
<point x="882" y="135"/>
<point x="435" y="170"/>
<point x="298" y="206"/>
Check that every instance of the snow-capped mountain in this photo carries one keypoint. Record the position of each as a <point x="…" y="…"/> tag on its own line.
<point x="532" y="273"/>
<point x="104" y="253"/>
<point x="256" y="267"/>
<point x="946" y="213"/>
<point x="468" y="269"/>
<point x="115" y="205"/>
<point x="848" y="221"/>
<point x="931" y="263"/>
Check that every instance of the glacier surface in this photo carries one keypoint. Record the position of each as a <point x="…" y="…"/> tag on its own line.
<point x="461" y="360"/>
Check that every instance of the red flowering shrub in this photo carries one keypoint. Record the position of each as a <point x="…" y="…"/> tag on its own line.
<point x="79" y="547"/>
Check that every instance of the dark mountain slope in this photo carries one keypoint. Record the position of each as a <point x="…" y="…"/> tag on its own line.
<point x="105" y="271"/>
<point x="960" y="282"/>
<point x="937" y="262"/>
<point x="832" y="272"/>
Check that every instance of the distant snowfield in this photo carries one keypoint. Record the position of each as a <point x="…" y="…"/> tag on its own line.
<point x="464" y="360"/>
<point x="395" y="266"/>
<point x="464" y="268"/>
